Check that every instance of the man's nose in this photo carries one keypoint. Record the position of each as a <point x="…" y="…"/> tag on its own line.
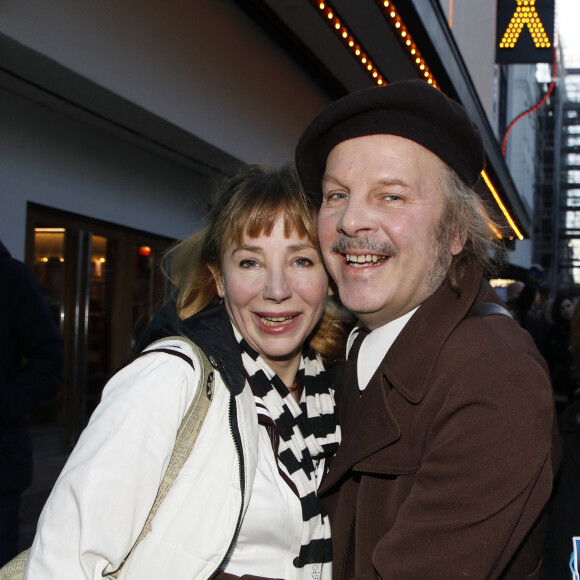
<point x="277" y="287"/>
<point x="356" y="218"/>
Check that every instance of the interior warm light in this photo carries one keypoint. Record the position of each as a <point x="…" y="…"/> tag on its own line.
<point x="501" y="282"/>
<point x="145" y="250"/>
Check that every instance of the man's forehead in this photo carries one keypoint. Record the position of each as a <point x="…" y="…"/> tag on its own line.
<point x="396" y="155"/>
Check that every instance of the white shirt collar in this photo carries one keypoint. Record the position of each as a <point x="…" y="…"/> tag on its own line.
<point x="375" y="346"/>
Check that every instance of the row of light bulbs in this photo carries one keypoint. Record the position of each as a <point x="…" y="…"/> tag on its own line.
<point x="355" y="48"/>
<point x="351" y="43"/>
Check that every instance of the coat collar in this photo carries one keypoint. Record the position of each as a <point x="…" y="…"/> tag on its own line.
<point x="426" y="334"/>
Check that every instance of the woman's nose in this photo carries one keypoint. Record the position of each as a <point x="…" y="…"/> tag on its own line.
<point x="277" y="287"/>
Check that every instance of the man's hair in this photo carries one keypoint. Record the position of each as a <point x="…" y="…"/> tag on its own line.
<point x="465" y="216"/>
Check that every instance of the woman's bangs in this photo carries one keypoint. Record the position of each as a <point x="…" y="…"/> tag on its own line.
<point x="261" y="219"/>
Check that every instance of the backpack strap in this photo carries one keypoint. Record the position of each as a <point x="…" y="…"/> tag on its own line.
<point x="188" y="429"/>
<point x="487" y="309"/>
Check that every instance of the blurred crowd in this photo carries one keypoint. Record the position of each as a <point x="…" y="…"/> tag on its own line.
<point x="555" y="326"/>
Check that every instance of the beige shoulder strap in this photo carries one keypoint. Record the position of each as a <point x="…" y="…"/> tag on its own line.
<point x="186" y="434"/>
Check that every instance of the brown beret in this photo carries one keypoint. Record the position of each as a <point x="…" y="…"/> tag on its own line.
<point x="412" y="109"/>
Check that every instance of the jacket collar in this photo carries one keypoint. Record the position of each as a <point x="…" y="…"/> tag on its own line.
<point x="426" y="333"/>
<point x="211" y="329"/>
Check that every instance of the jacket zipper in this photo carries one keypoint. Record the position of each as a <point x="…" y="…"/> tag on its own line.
<point x="235" y="433"/>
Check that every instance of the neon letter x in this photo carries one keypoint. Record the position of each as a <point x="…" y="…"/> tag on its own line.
<point x="527" y="14"/>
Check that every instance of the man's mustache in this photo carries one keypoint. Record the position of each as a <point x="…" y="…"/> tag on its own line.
<point x="366" y="244"/>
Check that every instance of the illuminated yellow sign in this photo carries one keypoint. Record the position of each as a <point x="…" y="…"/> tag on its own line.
<point x="524" y="31"/>
<point x="525" y="15"/>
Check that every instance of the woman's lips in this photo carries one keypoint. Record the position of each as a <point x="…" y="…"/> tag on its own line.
<point x="276" y="323"/>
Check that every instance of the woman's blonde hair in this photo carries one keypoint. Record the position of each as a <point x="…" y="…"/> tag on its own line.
<point x="248" y="204"/>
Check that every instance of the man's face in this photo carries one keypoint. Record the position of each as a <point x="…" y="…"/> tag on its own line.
<point x="381" y="205"/>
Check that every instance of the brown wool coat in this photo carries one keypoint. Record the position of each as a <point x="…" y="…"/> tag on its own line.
<point x="448" y="457"/>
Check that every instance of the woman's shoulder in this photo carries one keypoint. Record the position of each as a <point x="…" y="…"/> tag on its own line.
<point x="168" y="369"/>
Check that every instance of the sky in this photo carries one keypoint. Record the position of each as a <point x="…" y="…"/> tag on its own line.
<point x="568" y="20"/>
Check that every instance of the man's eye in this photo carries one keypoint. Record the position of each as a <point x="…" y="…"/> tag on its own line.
<point x="335" y="196"/>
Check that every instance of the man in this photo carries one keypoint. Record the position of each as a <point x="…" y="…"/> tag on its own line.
<point x="446" y="461"/>
<point x="31" y="356"/>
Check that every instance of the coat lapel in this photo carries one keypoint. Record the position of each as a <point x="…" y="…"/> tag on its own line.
<point x="371" y="427"/>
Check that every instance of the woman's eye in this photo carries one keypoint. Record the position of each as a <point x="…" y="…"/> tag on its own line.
<point x="303" y="262"/>
<point x="247" y="263"/>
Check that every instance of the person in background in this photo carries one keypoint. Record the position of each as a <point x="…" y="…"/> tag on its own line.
<point x="449" y="443"/>
<point x="253" y="293"/>
<point x="564" y="505"/>
<point x="558" y="352"/>
<point x="523" y="304"/>
<point x="31" y="357"/>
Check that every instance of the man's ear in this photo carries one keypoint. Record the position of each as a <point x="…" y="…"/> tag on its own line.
<point x="219" y="282"/>
<point x="458" y="244"/>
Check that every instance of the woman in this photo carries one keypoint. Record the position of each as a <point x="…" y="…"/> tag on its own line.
<point x="245" y="501"/>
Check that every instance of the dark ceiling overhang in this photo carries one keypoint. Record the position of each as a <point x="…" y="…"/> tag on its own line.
<point x="299" y="28"/>
<point x="39" y="79"/>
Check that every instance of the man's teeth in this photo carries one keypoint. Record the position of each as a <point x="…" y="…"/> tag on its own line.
<point x="276" y="321"/>
<point x="364" y="259"/>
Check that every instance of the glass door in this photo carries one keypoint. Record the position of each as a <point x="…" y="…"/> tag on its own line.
<point x="103" y="284"/>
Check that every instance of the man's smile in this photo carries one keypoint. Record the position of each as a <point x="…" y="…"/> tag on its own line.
<point x="365" y="260"/>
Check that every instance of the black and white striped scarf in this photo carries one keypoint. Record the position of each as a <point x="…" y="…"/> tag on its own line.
<point x="308" y="433"/>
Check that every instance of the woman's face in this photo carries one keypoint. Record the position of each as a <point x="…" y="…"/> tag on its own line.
<point x="275" y="290"/>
